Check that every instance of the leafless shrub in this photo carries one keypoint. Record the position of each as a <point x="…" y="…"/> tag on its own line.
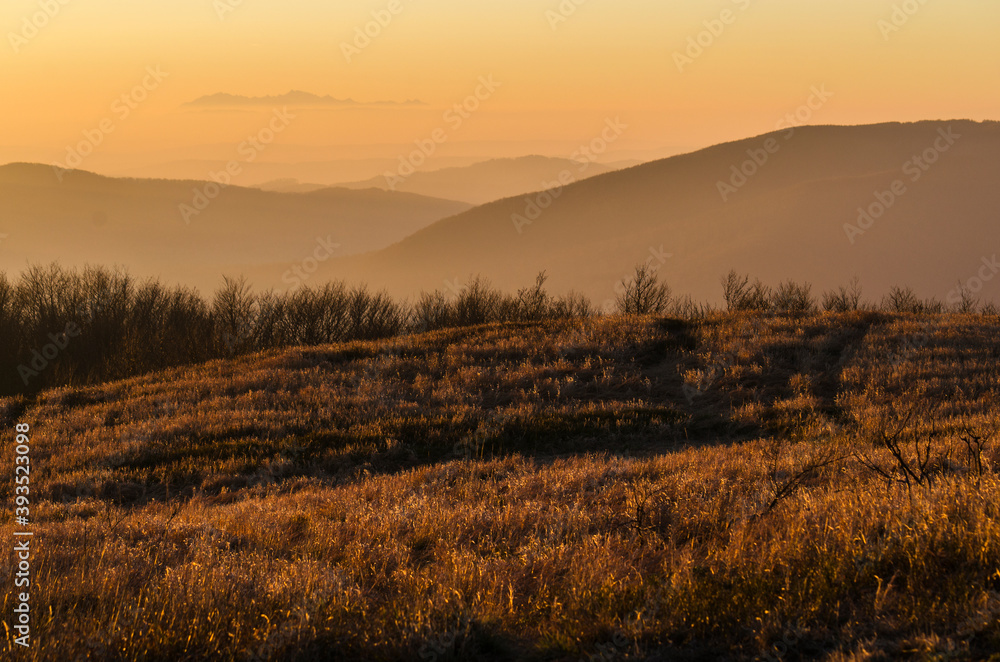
<point x="430" y="312"/>
<point x="687" y="308"/>
<point x="314" y="316"/>
<point x="915" y="461"/>
<point x="533" y="303"/>
<point x="968" y="303"/>
<point x="976" y="436"/>
<point x="976" y="441"/>
<point x="846" y="299"/>
<point x="932" y="307"/>
<point x="374" y="315"/>
<point x="793" y="298"/>
<point x="901" y="300"/>
<point x="905" y="300"/>
<point x="643" y="294"/>
<point x="571" y="306"/>
<point x="648" y="512"/>
<point x="233" y="309"/>
<point x="477" y="303"/>
<point x="741" y="295"/>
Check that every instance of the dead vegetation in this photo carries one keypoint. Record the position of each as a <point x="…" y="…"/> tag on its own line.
<point x="539" y="490"/>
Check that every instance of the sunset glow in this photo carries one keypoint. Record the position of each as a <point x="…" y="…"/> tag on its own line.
<point x="682" y="74"/>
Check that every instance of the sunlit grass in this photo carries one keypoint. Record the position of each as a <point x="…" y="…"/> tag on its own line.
<point x="531" y="491"/>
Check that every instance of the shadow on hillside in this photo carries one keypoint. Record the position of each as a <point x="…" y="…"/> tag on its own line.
<point x="654" y="387"/>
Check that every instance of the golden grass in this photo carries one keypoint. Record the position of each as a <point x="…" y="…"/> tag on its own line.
<point x="543" y="491"/>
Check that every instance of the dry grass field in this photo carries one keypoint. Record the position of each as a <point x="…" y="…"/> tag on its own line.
<point x="614" y="488"/>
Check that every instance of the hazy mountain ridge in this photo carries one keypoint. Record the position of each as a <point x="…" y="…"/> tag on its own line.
<point x="307" y="168"/>
<point x="138" y="223"/>
<point x="689" y="216"/>
<point x="787" y="221"/>
<point x="488" y="180"/>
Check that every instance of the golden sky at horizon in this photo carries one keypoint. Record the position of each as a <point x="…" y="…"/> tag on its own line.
<point x="559" y="79"/>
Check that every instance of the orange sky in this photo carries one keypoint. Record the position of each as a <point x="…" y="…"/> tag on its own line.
<point x="561" y="73"/>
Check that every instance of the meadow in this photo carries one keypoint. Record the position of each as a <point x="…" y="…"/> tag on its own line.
<point x="779" y="483"/>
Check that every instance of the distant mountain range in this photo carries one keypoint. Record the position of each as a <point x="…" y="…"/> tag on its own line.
<point x="192" y="232"/>
<point x="490" y="180"/>
<point x="311" y="173"/>
<point x="911" y="204"/>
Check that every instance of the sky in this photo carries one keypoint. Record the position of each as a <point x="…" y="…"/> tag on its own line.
<point x="680" y="74"/>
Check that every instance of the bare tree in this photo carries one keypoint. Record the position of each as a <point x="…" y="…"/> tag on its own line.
<point x="845" y="299"/>
<point x="233" y="308"/>
<point x="793" y="299"/>
<point x="533" y="303"/>
<point x="740" y="294"/>
<point x="643" y="294"/>
<point x="902" y="300"/>
<point x="968" y="303"/>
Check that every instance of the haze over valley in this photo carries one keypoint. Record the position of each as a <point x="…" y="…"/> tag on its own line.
<point x="892" y="204"/>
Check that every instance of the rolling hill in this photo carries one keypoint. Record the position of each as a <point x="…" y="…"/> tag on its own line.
<point x="155" y="227"/>
<point x="695" y="217"/>
<point x="545" y="491"/>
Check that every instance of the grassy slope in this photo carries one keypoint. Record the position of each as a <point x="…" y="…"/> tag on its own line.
<point x="532" y="492"/>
